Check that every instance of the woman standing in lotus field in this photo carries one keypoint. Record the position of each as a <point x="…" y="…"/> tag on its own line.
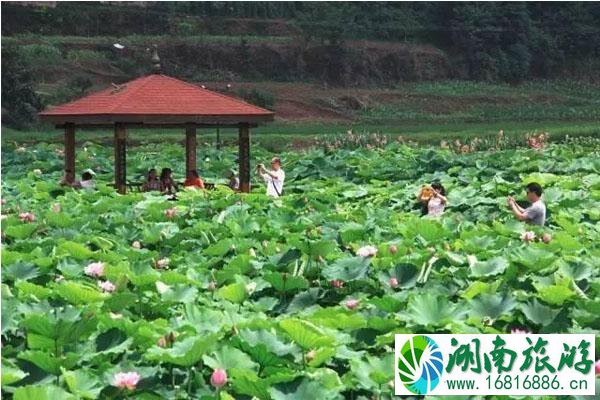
<point x="433" y="199"/>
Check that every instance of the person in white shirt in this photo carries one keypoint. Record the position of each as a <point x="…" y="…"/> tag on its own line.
<point x="273" y="178"/>
<point x="536" y="212"/>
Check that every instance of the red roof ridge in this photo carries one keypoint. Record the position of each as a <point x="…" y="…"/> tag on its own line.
<point x="128" y="94"/>
<point x="218" y="94"/>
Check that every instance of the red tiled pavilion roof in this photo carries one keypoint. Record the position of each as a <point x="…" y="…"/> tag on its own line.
<point x="156" y="99"/>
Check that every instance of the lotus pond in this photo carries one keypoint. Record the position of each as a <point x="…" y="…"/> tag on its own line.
<point x="241" y="296"/>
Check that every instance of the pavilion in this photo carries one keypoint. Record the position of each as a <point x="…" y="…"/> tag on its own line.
<point x="152" y="101"/>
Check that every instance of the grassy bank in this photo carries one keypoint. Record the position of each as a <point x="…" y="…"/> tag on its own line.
<point x="281" y="135"/>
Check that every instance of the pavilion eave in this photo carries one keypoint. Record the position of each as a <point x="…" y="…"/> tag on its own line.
<point x="82" y="120"/>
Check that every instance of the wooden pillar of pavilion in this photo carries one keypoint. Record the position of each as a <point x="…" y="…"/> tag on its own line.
<point x="190" y="148"/>
<point x="121" y="158"/>
<point x="69" y="154"/>
<point x="244" y="158"/>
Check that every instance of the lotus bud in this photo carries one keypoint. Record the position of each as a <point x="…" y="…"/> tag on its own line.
<point x="107" y="286"/>
<point x="393" y="249"/>
<point x="218" y="378"/>
<point x="56" y="207"/>
<point x="126" y="380"/>
<point x="597" y="365"/>
<point x="212" y="285"/>
<point x="352" y="304"/>
<point x="170" y="212"/>
<point x="393" y="282"/>
<point x="528" y="236"/>
<point x="37" y="172"/>
<point x="265" y="243"/>
<point x="546" y="238"/>
<point x="311" y="355"/>
<point x="367" y="251"/>
<point x="162" y="342"/>
<point x="251" y="287"/>
<point x="136" y="245"/>
<point x="27" y="217"/>
<point x="519" y="331"/>
<point x="162" y="263"/>
<point x="336" y="283"/>
<point x="446" y="246"/>
<point x="252" y="252"/>
<point x="95" y="269"/>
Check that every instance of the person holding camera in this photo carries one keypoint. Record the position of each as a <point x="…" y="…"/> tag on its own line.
<point x="536" y="212"/>
<point x="273" y="178"/>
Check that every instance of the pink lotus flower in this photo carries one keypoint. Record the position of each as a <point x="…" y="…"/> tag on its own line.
<point x="520" y="331"/>
<point x="336" y="283"/>
<point x="218" y="378"/>
<point x="162" y="263"/>
<point x="393" y="282"/>
<point x="367" y="251"/>
<point x="546" y="237"/>
<point x="352" y="304"/>
<point x="27" y="217"/>
<point x="393" y="249"/>
<point x="170" y="212"/>
<point x="136" y="245"/>
<point x="126" y="380"/>
<point x="162" y="342"/>
<point x="107" y="286"/>
<point x="56" y="207"/>
<point x="95" y="269"/>
<point x="597" y="367"/>
<point x="528" y="236"/>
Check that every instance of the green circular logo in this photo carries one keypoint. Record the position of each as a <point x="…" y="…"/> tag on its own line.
<point x="420" y="364"/>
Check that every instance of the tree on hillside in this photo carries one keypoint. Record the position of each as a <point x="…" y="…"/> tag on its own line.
<point x="20" y="103"/>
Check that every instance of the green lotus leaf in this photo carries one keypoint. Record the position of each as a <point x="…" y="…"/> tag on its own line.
<point x="305" y="334"/>
<point x="347" y="269"/>
<point x="494" y="266"/>
<point x="42" y="392"/>
<point x="283" y="282"/>
<point x="235" y="292"/>
<point x="12" y="375"/>
<point x="184" y="353"/>
<point x="82" y="384"/>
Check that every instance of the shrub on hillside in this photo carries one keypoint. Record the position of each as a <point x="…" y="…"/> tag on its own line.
<point x="86" y="56"/>
<point x="41" y="58"/>
<point x="20" y="103"/>
<point x="258" y="97"/>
